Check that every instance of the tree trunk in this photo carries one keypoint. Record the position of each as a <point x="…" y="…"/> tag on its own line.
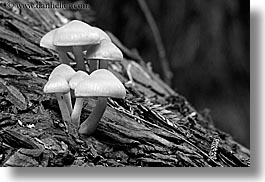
<point x="152" y="126"/>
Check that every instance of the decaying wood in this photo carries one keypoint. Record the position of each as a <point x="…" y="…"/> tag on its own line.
<point x="153" y="126"/>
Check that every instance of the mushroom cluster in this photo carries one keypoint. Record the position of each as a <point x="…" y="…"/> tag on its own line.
<point x="82" y="40"/>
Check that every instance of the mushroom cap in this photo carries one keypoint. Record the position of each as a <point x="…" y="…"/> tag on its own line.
<point x="103" y="35"/>
<point x="101" y="83"/>
<point x="104" y="51"/>
<point x="63" y="70"/>
<point x="76" y="33"/>
<point x="57" y="84"/>
<point x="47" y="39"/>
<point x="77" y="78"/>
<point x="47" y="42"/>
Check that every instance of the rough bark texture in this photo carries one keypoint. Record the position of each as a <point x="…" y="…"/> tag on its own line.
<point x="153" y="126"/>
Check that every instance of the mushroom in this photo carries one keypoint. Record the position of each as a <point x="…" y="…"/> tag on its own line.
<point x="47" y="42"/>
<point x="101" y="84"/>
<point x="103" y="35"/>
<point x="93" y="63"/>
<point x="59" y="86"/>
<point x="66" y="72"/>
<point x="75" y="80"/>
<point x="77" y="35"/>
<point x="103" y="52"/>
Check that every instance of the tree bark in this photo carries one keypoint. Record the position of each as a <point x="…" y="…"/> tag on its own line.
<point x="152" y="126"/>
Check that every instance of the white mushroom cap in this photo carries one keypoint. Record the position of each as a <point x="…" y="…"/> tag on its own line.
<point x="76" y="33"/>
<point x="46" y="40"/>
<point x="57" y="84"/>
<point x="101" y="83"/>
<point x="103" y="35"/>
<point x="63" y="70"/>
<point x="77" y="78"/>
<point x="105" y="51"/>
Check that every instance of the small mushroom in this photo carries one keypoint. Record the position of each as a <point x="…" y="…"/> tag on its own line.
<point x="66" y="72"/>
<point x="78" y="35"/>
<point x="59" y="86"/>
<point x="103" y="52"/>
<point x="101" y="84"/>
<point x="75" y="80"/>
<point x="47" y="42"/>
<point x="93" y="63"/>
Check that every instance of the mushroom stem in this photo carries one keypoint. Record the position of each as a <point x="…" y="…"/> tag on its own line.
<point x="90" y="124"/>
<point x="75" y="116"/>
<point x="63" y="107"/>
<point x="63" y="57"/>
<point x="128" y="70"/>
<point x="93" y="65"/>
<point x="103" y="64"/>
<point x="78" y="52"/>
<point x="68" y="102"/>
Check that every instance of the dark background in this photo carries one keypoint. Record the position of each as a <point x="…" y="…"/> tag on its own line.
<point x="207" y="46"/>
